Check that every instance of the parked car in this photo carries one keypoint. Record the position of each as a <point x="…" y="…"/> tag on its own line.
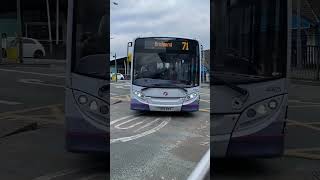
<point x="119" y="76"/>
<point x="31" y="47"/>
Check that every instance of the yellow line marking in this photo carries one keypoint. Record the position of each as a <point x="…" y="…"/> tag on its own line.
<point x="128" y="97"/>
<point x="204" y="110"/>
<point x="8" y="113"/>
<point x="301" y="153"/>
<point x="207" y="101"/>
<point x="33" y="118"/>
<point x="308" y="123"/>
<point x="57" y="113"/>
<point x="304" y="149"/>
<point x="304" y="125"/>
<point x="121" y="99"/>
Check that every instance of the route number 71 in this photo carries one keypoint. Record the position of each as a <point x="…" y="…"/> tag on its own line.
<point x="185" y="46"/>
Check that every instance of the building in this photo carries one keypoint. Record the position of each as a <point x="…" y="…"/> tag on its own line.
<point x="121" y="65"/>
<point x="35" y="23"/>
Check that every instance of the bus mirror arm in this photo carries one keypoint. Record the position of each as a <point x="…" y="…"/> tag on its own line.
<point x="103" y="91"/>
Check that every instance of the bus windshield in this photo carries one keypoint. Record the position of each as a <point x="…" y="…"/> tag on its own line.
<point x="90" y="42"/>
<point x="250" y="40"/>
<point x="166" y="64"/>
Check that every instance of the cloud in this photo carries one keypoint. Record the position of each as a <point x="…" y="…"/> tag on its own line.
<point x="181" y="18"/>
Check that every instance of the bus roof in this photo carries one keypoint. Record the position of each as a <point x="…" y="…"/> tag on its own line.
<point x="165" y="37"/>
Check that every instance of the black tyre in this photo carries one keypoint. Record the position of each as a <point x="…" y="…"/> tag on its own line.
<point x="38" y="54"/>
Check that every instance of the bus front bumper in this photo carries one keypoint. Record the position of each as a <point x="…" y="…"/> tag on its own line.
<point x="267" y="143"/>
<point x="78" y="142"/>
<point x="82" y="137"/>
<point x="137" y="105"/>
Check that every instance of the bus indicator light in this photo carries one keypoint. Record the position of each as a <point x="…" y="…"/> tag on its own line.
<point x="104" y="109"/>
<point x="273" y="104"/>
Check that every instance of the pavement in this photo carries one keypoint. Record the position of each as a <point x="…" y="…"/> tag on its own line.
<point x="155" y="145"/>
<point x="32" y="128"/>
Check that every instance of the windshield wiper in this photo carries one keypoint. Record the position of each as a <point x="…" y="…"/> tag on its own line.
<point x="162" y="85"/>
<point x="234" y="87"/>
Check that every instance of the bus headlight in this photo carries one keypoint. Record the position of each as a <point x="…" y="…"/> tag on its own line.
<point x="93" y="106"/>
<point x="139" y="94"/>
<point x="191" y="96"/>
<point x="83" y="99"/>
<point x="261" y="109"/>
<point x="251" y="113"/>
<point x="256" y="113"/>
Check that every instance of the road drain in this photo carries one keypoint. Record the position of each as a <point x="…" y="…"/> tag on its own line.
<point x="30" y="127"/>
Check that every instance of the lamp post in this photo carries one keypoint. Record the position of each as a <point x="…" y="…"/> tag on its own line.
<point x="19" y="34"/>
<point x="115" y="65"/>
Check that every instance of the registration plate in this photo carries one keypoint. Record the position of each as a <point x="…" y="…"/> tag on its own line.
<point x="166" y="108"/>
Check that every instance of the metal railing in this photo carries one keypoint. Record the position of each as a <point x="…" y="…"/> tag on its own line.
<point x="202" y="170"/>
<point x="309" y="65"/>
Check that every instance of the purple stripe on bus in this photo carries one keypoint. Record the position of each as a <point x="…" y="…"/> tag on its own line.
<point x="268" y="142"/>
<point x="136" y="105"/>
<point x="190" y="107"/>
<point x="83" y="137"/>
<point x="76" y="142"/>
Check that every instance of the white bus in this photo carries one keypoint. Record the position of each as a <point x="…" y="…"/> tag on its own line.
<point x="251" y="40"/>
<point x="165" y="74"/>
<point x="87" y="77"/>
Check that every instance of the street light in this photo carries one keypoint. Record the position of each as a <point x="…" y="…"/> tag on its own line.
<point x="115" y="65"/>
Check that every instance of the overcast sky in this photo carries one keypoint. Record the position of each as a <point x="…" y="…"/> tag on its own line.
<point x="182" y="18"/>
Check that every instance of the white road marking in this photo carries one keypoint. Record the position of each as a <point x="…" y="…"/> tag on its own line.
<point x="120" y="119"/>
<point x="58" y="174"/>
<point x="39" y="82"/>
<point x="130" y="120"/>
<point x="148" y="124"/>
<point x="33" y="73"/>
<point x="121" y="87"/>
<point x="94" y="176"/>
<point x="130" y="138"/>
<point x="9" y="102"/>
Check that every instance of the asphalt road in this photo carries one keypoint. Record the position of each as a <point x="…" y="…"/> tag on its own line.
<point x="29" y="95"/>
<point x="155" y="145"/>
<point x="302" y="145"/>
<point x="161" y="146"/>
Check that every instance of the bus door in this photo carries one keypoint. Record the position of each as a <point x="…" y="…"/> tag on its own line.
<point x="87" y="93"/>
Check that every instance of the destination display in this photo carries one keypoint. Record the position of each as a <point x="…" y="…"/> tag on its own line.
<point x="171" y="45"/>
